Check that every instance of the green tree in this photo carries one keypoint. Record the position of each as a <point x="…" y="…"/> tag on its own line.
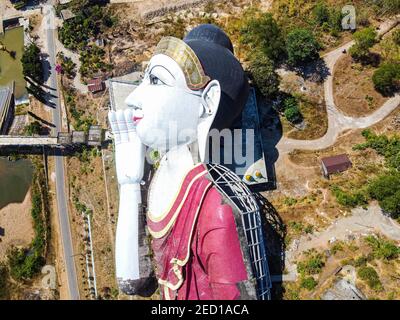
<point x="301" y="46"/>
<point x="386" y="189"/>
<point x="264" y="75"/>
<point x="364" y="40"/>
<point x="321" y="13"/>
<point x="31" y="63"/>
<point x="291" y="110"/>
<point x="386" y="78"/>
<point x="23" y="264"/>
<point x="263" y="33"/>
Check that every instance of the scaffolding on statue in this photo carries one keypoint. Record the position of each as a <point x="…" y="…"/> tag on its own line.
<point x="234" y="189"/>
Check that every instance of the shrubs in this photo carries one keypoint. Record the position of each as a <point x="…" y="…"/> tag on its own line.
<point x="385" y="146"/>
<point x="23" y="263"/>
<point x="312" y="265"/>
<point x="348" y="199"/>
<point x="67" y="66"/>
<point x="321" y="13"/>
<point x="92" y="60"/>
<point x="369" y="275"/>
<point x="386" y="78"/>
<point x="291" y="110"/>
<point x="364" y="40"/>
<point x="34" y="128"/>
<point x="386" y="187"/>
<point x="81" y="122"/>
<point x="293" y="114"/>
<point x="299" y="227"/>
<point x="301" y="47"/>
<point x="396" y="37"/>
<point x="308" y="283"/>
<point x="328" y="19"/>
<point x="383" y="249"/>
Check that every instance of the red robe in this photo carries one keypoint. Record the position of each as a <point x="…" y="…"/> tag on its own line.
<point x="196" y="245"/>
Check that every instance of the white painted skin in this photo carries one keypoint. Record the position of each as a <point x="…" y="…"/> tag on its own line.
<point x="172" y="116"/>
<point x="129" y="158"/>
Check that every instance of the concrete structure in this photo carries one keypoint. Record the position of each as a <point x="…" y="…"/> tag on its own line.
<point x="1" y="24"/>
<point x="67" y="14"/>
<point x="64" y="138"/>
<point x="27" y="141"/>
<point x="343" y="290"/>
<point x="150" y="9"/>
<point x="95" y="136"/>
<point x="335" y="164"/>
<point x="79" y="137"/>
<point x="7" y="106"/>
<point x="119" y="90"/>
<point x="173" y="113"/>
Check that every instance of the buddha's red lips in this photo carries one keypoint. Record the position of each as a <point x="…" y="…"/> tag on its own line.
<point x="137" y="119"/>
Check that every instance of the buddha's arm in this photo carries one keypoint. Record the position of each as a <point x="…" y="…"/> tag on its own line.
<point x="129" y="158"/>
<point x="127" y="237"/>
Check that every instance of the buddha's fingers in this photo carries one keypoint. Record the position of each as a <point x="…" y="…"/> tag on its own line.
<point x="112" y="118"/>
<point x="122" y="126"/>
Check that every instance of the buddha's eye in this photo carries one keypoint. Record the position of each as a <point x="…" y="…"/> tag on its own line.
<point x="154" y="80"/>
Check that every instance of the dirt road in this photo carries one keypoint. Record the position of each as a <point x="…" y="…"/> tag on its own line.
<point x="337" y="121"/>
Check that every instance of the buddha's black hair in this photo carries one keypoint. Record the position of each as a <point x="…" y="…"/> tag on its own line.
<point x="215" y="52"/>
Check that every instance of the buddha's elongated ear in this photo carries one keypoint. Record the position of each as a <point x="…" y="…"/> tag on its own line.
<point x="209" y="106"/>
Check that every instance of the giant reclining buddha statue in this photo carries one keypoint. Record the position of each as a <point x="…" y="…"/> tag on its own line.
<point x="206" y="244"/>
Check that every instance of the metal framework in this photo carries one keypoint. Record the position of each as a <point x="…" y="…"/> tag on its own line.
<point x="233" y="188"/>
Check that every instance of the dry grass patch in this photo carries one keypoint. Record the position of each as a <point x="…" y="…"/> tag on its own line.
<point x="354" y="90"/>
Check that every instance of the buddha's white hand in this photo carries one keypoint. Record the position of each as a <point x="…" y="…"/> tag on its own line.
<point x="129" y="150"/>
<point x="129" y="158"/>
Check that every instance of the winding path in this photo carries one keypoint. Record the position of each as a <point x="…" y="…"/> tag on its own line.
<point x="337" y="121"/>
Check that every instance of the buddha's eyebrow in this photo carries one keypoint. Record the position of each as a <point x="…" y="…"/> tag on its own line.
<point x="159" y="65"/>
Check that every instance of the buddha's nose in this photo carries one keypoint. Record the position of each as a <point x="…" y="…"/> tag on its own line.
<point x="135" y="98"/>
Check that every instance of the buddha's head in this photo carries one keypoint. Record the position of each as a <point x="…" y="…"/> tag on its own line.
<point x="189" y="87"/>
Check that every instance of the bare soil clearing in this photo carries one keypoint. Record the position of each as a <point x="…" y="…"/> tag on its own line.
<point x="354" y="90"/>
<point x="16" y="221"/>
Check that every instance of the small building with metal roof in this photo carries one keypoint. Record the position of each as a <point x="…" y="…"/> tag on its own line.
<point x="335" y="164"/>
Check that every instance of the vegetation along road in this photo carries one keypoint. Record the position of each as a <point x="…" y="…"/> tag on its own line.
<point x="65" y="230"/>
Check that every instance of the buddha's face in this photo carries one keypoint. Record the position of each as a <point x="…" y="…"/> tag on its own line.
<point x="167" y="112"/>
